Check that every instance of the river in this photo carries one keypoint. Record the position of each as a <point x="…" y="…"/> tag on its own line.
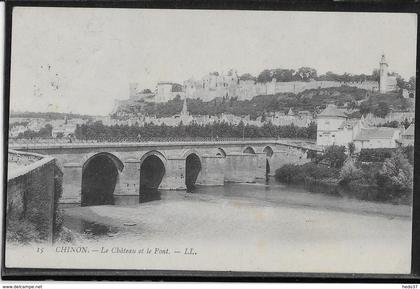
<point x="268" y="220"/>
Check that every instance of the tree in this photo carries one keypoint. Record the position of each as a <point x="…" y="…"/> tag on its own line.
<point x="351" y="148"/>
<point x="46" y="131"/>
<point x="311" y="130"/>
<point x="412" y="83"/>
<point x="265" y="76"/>
<point x="396" y="176"/>
<point x="401" y="83"/>
<point x="335" y="155"/>
<point x="306" y="73"/>
<point x="364" y="108"/>
<point x="349" y="172"/>
<point x="382" y="110"/>
<point x="247" y="76"/>
<point x="406" y="123"/>
<point x="376" y="74"/>
<point x="176" y="87"/>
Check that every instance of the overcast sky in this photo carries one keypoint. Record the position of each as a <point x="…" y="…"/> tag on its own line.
<point x="80" y="60"/>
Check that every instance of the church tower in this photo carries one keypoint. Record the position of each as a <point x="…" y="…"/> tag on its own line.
<point x="184" y="110"/>
<point x="383" y="75"/>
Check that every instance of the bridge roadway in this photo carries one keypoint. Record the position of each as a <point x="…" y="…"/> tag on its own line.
<point x="98" y="173"/>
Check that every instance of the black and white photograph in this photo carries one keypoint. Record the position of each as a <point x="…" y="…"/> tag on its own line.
<point x="210" y="140"/>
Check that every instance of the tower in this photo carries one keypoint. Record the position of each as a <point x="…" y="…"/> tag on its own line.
<point x="133" y="89"/>
<point x="184" y="110"/>
<point x="383" y="75"/>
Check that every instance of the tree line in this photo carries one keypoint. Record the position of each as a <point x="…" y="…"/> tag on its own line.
<point x="99" y="131"/>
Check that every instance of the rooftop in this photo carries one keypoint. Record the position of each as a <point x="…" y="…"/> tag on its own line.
<point x="349" y="123"/>
<point x="332" y="110"/>
<point x="376" y="133"/>
<point x="409" y="130"/>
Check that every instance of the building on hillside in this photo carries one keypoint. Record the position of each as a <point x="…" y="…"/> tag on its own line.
<point x="213" y="85"/>
<point x="64" y="130"/>
<point x="407" y="137"/>
<point x="14" y="131"/>
<point x="166" y="91"/>
<point x="377" y="137"/>
<point x="334" y="127"/>
<point x="329" y="122"/>
<point x="135" y="94"/>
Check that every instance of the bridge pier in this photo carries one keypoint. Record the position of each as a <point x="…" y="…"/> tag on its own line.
<point x="129" y="179"/>
<point x="261" y="165"/>
<point x="240" y="168"/>
<point x="212" y="171"/>
<point x="174" y="178"/>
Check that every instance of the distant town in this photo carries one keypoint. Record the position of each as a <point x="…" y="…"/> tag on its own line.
<point x="371" y="111"/>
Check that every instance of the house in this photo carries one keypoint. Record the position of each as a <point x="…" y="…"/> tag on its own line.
<point x="329" y="122"/>
<point x="377" y="137"/>
<point x="407" y="137"/>
<point x="334" y="127"/>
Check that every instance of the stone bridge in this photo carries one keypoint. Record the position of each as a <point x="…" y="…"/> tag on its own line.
<point x="99" y="173"/>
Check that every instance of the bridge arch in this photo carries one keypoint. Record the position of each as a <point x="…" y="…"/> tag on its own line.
<point x="185" y="153"/>
<point x="249" y="150"/>
<point x="268" y="151"/>
<point x="99" y="176"/>
<point x="221" y="152"/>
<point x="192" y="167"/>
<point x="152" y="171"/>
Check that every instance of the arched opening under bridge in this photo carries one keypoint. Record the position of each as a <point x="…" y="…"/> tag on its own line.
<point x="268" y="153"/>
<point x="152" y="170"/>
<point x="192" y="170"/>
<point x="99" y="177"/>
<point x="221" y="152"/>
<point x="249" y="150"/>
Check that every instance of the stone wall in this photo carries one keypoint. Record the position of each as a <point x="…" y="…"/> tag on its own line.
<point x="33" y="191"/>
<point x="248" y="89"/>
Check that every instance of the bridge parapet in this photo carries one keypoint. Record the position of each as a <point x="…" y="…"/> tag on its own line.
<point x="45" y="146"/>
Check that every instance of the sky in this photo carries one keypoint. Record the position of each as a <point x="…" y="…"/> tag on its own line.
<point x="81" y="59"/>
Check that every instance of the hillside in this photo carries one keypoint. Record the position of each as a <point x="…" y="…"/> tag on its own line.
<point x="310" y="100"/>
<point x="392" y="99"/>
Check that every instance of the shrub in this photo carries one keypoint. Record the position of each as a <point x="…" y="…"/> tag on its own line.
<point x="335" y="155"/>
<point x="289" y="174"/>
<point x="22" y="232"/>
<point x="298" y="174"/>
<point x="349" y="172"/>
<point x="375" y="155"/>
<point x="395" y="179"/>
<point x="408" y="151"/>
<point x="315" y="171"/>
<point x="381" y="154"/>
<point x="351" y="147"/>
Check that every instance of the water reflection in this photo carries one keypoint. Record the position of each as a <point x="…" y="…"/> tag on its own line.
<point x="149" y="194"/>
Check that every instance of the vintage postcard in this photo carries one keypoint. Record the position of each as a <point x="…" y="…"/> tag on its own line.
<point x="211" y="140"/>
